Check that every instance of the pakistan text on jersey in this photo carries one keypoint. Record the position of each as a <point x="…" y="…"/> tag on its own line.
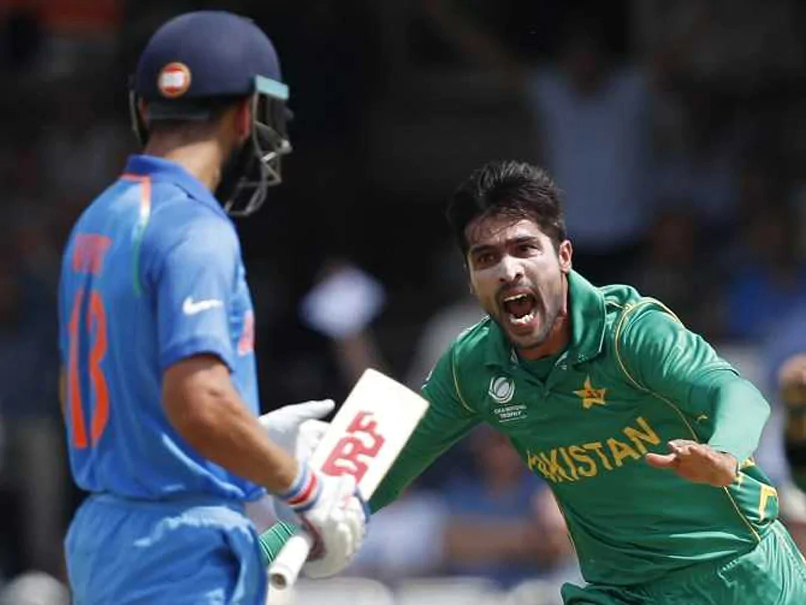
<point x="585" y="460"/>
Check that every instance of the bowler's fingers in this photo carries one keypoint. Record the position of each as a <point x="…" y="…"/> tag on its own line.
<point x="662" y="460"/>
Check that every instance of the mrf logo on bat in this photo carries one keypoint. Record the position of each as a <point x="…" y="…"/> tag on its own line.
<point x="356" y="449"/>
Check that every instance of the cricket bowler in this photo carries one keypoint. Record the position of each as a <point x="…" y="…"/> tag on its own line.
<point x="644" y="434"/>
<point x="158" y="384"/>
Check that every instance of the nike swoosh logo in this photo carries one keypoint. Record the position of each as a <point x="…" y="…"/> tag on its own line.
<point x="191" y="307"/>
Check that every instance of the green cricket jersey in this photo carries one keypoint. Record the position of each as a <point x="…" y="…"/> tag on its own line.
<point x="632" y="378"/>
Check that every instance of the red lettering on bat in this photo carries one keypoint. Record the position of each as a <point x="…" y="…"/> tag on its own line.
<point x="351" y="453"/>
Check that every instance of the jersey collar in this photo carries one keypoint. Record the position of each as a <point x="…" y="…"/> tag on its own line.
<point x="587" y="319"/>
<point x="587" y="327"/>
<point x="159" y="169"/>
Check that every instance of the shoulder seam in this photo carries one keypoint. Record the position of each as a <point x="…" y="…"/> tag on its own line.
<point x="143" y="220"/>
<point x="628" y="309"/>
<point x="663" y="308"/>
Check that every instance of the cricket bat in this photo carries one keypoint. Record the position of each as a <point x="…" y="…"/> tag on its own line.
<point x="364" y="439"/>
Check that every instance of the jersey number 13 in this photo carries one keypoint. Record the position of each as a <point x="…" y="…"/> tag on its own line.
<point x="94" y="324"/>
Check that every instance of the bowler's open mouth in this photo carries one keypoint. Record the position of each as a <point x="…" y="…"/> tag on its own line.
<point x="520" y="308"/>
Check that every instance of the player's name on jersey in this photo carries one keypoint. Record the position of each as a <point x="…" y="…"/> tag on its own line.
<point x="586" y="460"/>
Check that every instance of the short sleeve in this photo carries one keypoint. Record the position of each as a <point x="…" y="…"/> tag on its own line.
<point x="193" y="281"/>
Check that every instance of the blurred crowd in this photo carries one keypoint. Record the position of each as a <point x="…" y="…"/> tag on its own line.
<point x="676" y="129"/>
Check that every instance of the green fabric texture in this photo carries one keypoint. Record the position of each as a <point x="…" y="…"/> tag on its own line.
<point x="540" y="368"/>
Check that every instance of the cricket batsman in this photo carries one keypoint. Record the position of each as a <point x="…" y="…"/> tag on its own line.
<point x="158" y="381"/>
<point x="643" y="432"/>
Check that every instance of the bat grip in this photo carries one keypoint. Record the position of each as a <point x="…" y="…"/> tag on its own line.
<point x="285" y="568"/>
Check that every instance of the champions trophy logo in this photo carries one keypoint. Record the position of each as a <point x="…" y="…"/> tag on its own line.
<point x="502" y="389"/>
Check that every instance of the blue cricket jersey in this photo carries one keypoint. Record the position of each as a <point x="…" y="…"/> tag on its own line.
<point x="152" y="273"/>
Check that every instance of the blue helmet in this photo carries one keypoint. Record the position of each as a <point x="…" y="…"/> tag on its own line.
<point x="200" y="58"/>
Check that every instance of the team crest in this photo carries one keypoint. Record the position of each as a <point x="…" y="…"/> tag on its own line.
<point x="502" y="389"/>
<point x="174" y="80"/>
<point x="590" y="395"/>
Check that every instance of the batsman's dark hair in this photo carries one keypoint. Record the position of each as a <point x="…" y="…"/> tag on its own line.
<point x="197" y="116"/>
<point x="507" y="187"/>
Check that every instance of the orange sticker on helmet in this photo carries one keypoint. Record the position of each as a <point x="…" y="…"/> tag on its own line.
<point x="174" y="80"/>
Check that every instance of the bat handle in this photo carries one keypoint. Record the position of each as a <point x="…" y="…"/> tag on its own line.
<point x="285" y="568"/>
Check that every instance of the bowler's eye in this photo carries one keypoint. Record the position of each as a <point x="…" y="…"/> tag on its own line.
<point x="483" y="259"/>
<point x="527" y="249"/>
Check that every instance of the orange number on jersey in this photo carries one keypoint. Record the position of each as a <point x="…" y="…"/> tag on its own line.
<point x="95" y="315"/>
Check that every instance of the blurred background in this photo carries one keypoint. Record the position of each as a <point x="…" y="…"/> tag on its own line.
<point x="677" y="130"/>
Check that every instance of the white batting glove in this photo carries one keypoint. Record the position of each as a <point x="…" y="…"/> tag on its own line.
<point x="333" y="513"/>
<point x="297" y="428"/>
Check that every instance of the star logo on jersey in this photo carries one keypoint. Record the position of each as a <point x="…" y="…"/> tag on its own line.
<point x="589" y="395"/>
<point x="193" y="307"/>
<point x="502" y="389"/>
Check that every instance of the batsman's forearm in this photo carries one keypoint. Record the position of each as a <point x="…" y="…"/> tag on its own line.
<point x="204" y="408"/>
<point x="221" y="430"/>
<point x="740" y="415"/>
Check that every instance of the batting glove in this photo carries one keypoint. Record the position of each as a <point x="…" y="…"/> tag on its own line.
<point x="297" y="428"/>
<point x="333" y="513"/>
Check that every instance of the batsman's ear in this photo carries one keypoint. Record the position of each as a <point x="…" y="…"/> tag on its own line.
<point x="243" y="116"/>
<point x="137" y="114"/>
<point x="138" y="110"/>
<point x="142" y="110"/>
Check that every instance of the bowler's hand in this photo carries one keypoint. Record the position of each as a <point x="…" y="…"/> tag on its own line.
<point x="697" y="462"/>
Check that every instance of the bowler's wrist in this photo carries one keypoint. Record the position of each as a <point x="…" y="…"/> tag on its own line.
<point x="731" y="462"/>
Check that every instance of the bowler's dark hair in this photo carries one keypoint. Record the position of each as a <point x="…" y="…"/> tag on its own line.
<point x="510" y="188"/>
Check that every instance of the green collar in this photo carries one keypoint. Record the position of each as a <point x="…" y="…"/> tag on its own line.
<point x="587" y="326"/>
